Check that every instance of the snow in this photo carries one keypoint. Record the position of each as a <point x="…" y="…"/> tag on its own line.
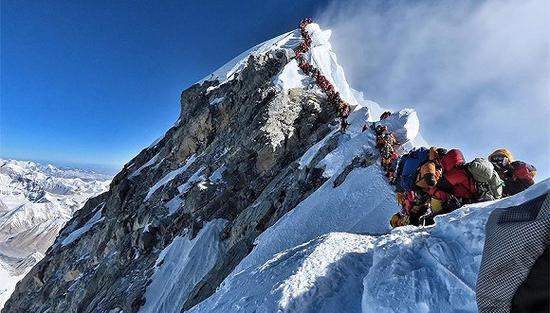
<point x="196" y="177"/>
<point x="177" y="201"/>
<point x="152" y="161"/>
<point x="217" y="175"/>
<point x="35" y="203"/>
<point x="363" y="203"/>
<point x="216" y="100"/>
<point x="227" y="72"/>
<point x="182" y="265"/>
<point x="410" y="269"/>
<point x="291" y="77"/>
<point x="96" y="218"/>
<point x="7" y="283"/>
<point x="174" y="204"/>
<point x="301" y="279"/>
<point x="171" y="175"/>
<point x="308" y="156"/>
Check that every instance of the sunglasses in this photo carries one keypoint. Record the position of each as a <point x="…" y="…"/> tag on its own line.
<point x="498" y="158"/>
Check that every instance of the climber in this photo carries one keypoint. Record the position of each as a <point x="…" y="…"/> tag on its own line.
<point x="390" y="139"/>
<point x="380" y="130"/>
<point x="407" y="168"/>
<point x="428" y="175"/>
<point x="488" y="183"/>
<point x="517" y="175"/>
<point x="436" y="154"/>
<point x="455" y="187"/>
<point x="387" y="157"/>
<point x="415" y="205"/>
<point x="385" y="115"/>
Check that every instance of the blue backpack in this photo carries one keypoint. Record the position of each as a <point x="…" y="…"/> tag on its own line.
<point x="408" y="168"/>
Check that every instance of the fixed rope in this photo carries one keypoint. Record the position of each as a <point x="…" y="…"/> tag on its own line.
<point x="321" y="81"/>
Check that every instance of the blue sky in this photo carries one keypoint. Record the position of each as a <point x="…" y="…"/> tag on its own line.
<point x="97" y="81"/>
<point x="94" y="82"/>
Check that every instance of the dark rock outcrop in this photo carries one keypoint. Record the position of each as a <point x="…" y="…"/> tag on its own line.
<point x="244" y="130"/>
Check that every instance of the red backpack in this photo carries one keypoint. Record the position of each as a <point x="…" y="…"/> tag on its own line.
<point x="452" y="159"/>
<point x="523" y="171"/>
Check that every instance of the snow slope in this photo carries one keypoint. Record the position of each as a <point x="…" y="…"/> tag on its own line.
<point x="182" y="265"/>
<point x="431" y="269"/>
<point x="35" y="203"/>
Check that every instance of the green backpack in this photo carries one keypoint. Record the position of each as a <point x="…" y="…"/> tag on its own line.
<point x="487" y="179"/>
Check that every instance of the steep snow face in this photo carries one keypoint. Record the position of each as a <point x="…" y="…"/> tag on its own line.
<point x="231" y="69"/>
<point x="35" y="202"/>
<point x="182" y="265"/>
<point x="409" y="270"/>
<point x="362" y="203"/>
<point x="321" y="57"/>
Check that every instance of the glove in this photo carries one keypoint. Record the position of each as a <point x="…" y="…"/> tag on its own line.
<point x="452" y="204"/>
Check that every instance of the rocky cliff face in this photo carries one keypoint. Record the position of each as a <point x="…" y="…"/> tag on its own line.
<point x="230" y="158"/>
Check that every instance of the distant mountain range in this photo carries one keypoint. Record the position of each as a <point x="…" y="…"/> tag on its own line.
<point x="36" y="201"/>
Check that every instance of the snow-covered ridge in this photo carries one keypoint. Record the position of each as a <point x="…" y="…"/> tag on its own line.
<point x="419" y="269"/>
<point x="320" y="55"/>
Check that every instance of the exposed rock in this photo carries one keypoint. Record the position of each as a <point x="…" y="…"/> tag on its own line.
<point x="232" y="160"/>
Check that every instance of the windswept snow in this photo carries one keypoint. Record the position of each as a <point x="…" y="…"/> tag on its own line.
<point x="217" y="175"/>
<point x="96" y="218"/>
<point x="322" y="57"/>
<point x="152" y="161"/>
<point x="182" y="265"/>
<point x="171" y="175"/>
<point x="227" y="72"/>
<point x="431" y="269"/>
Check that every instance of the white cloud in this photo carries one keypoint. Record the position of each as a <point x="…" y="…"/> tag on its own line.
<point x="477" y="72"/>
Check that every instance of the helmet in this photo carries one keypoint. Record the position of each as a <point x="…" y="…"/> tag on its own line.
<point x="532" y="170"/>
<point x="436" y="153"/>
<point x="399" y="220"/>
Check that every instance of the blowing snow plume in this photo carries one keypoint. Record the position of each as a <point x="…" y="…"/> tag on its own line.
<point x="471" y="69"/>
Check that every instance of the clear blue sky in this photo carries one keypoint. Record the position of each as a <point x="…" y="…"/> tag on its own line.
<point x="97" y="81"/>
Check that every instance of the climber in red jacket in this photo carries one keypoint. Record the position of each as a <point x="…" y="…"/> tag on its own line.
<point x="455" y="187"/>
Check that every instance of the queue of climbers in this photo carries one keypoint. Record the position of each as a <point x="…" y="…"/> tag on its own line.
<point x="432" y="181"/>
<point x="429" y="181"/>
<point x="321" y="81"/>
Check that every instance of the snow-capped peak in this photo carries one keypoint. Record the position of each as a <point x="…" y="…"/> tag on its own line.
<point x="35" y="202"/>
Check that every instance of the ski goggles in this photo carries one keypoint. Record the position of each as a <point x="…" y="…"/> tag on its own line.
<point x="498" y="158"/>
